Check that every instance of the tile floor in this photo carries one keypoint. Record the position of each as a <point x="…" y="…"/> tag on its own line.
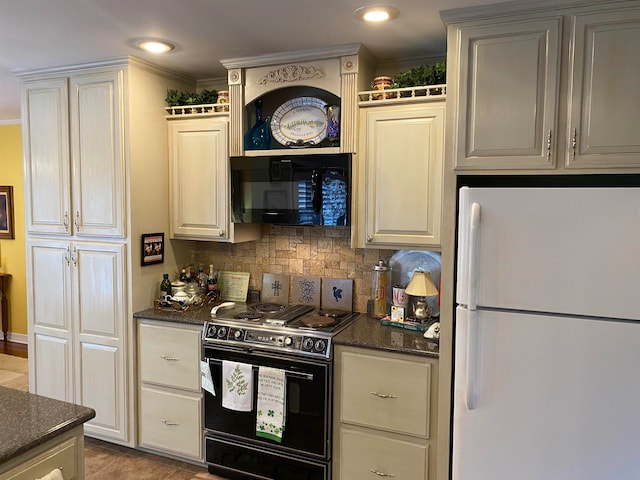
<point x="104" y="460"/>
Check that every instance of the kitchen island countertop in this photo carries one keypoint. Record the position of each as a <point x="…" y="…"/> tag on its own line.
<point x="365" y="332"/>
<point x="28" y="420"/>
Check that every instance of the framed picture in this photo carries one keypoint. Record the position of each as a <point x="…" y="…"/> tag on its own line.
<point x="6" y="212"/>
<point x="152" y="248"/>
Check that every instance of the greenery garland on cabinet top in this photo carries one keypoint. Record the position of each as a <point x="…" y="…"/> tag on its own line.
<point x="205" y="97"/>
<point x="435" y="74"/>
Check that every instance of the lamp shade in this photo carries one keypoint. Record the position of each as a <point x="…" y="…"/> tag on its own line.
<point x="421" y="285"/>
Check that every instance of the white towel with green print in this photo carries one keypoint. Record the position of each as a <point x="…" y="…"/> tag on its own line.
<point x="270" y="416"/>
<point x="237" y="386"/>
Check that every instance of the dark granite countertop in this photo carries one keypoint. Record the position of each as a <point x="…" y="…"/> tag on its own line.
<point x="367" y="332"/>
<point x="28" y="420"/>
<point x="195" y="316"/>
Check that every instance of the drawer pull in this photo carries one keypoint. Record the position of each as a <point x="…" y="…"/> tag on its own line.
<point x="168" y="358"/>
<point x="381" y="474"/>
<point x="169" y="422"/>
<point x="382" y="395"/>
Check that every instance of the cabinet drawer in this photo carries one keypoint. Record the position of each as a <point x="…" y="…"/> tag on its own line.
<point x="170" y="356"/>
<point x="171" y="422"/>
<point x="63" y="456"/>
<point x="365" y="455"/>
<point x="386" y="393"/>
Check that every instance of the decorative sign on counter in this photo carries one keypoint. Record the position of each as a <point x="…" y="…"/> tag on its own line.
<point x="233" y="286"/>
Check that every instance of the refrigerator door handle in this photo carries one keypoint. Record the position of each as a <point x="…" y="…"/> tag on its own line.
<point x="471" y="399"/>
<point x="470" y="394"/>
<point x="472" y="276"/>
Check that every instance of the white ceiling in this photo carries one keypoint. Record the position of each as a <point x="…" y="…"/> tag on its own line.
<point x="37" y="34"/>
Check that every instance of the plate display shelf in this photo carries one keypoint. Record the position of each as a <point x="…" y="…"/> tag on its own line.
<point x="293" y="104"/>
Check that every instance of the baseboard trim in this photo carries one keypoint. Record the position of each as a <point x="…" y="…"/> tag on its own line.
<point x="17" y="338"/>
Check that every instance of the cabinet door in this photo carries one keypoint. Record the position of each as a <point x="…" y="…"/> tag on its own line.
<point x="49" y="310"/>
<point x="99" y="319"/>
<point x="97" y="154"/>
<point x="403" y="173"/>
<point x="603" y="118"/>
<point x="46" y="153"/>
<point x="506" y="80"/>
<point x="199" y="185"/>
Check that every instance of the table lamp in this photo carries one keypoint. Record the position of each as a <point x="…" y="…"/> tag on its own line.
<point x="421" y="286"/>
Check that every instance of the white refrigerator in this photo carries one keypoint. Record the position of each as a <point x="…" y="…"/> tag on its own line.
<point x="547" y="335"/>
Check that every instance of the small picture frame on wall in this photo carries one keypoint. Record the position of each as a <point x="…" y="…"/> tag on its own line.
<point x="6" y="212"/>
<point x="152" y="248"/>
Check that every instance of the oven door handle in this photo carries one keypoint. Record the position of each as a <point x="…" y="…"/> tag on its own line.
<point x="288" y="373"/>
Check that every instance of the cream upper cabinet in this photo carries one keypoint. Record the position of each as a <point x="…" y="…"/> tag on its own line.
<point x="74" y="155"/>
<point x="604" y="98"/>
<point x="544" y="88"/>
<point x="76" y="297"/>
<point x="398" y="186"/>
<point x="503" y="88"/>
<point x="199" y="181"/>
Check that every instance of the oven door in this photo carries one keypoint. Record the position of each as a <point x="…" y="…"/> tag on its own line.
<point x="308" y="407"/>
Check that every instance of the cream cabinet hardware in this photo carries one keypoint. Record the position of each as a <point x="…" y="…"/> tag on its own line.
<point x="77" y="220"/>
<point x="369" y="238"/>
<point x="549" y="137"/>
<point x="67" y="254"/>
<point x="65" y="222"/>
<point x="170" y="423"/>
<point x="74" y="257"/>
<point x="383" y="395"/>
<point x="381" y="474"/>
<point x="574" y="142"/>
<point x="169" y="358"/>
<point x="221" y="233"/>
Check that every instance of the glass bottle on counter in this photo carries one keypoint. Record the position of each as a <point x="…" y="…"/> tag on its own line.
<point x="202" y="280"/>
<point x="183" y="275"/>
<point x="212" y="280"/>
<point x="165" y="286"/>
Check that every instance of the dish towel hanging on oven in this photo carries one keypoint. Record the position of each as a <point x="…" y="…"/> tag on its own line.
<point x="237" y="386"/>
<point x="270" y="416"/>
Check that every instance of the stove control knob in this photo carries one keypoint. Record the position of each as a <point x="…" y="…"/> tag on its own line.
<point x="222" y="332"/>
<point x="288" y="341"/>
<point x="237" y="335"/>
<point x="320" y="345"/>
<point x="211" y="331"/>
<point x="307" y="344"/>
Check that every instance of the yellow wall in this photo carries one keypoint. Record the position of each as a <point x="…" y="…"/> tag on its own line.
<point x="12" y="252"/>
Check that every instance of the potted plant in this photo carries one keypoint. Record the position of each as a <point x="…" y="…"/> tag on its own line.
<point x="423" y="75"/>
<point x="204" y="97"/>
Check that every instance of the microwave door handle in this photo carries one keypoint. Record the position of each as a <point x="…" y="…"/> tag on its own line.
<point x="316" y="190"/>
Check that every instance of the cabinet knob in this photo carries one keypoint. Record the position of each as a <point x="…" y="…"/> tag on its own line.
<point x="369" y="238"/>
<point x="221" y="233"/>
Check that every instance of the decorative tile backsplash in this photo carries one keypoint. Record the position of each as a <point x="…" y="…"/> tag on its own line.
<point x="313" y="251"/>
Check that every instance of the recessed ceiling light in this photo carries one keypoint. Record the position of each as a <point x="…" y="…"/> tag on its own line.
<point x="377" y="13"/>
<point x="155" y="46"/>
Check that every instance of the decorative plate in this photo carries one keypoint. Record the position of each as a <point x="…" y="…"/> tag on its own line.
<point x="299" y="122"/>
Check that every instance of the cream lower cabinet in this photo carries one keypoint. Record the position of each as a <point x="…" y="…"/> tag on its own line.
<point x="385" y="410"/>
<point x="544" y="88"/>
<point x="76" y="298"/>
<point x="199" y="181"/>
<point x="399" y="181"/>
<point x="65" y="452"/>
<point x="170" y="399"/>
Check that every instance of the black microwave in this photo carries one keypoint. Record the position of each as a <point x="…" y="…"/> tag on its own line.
<point x="305" y="189"/>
